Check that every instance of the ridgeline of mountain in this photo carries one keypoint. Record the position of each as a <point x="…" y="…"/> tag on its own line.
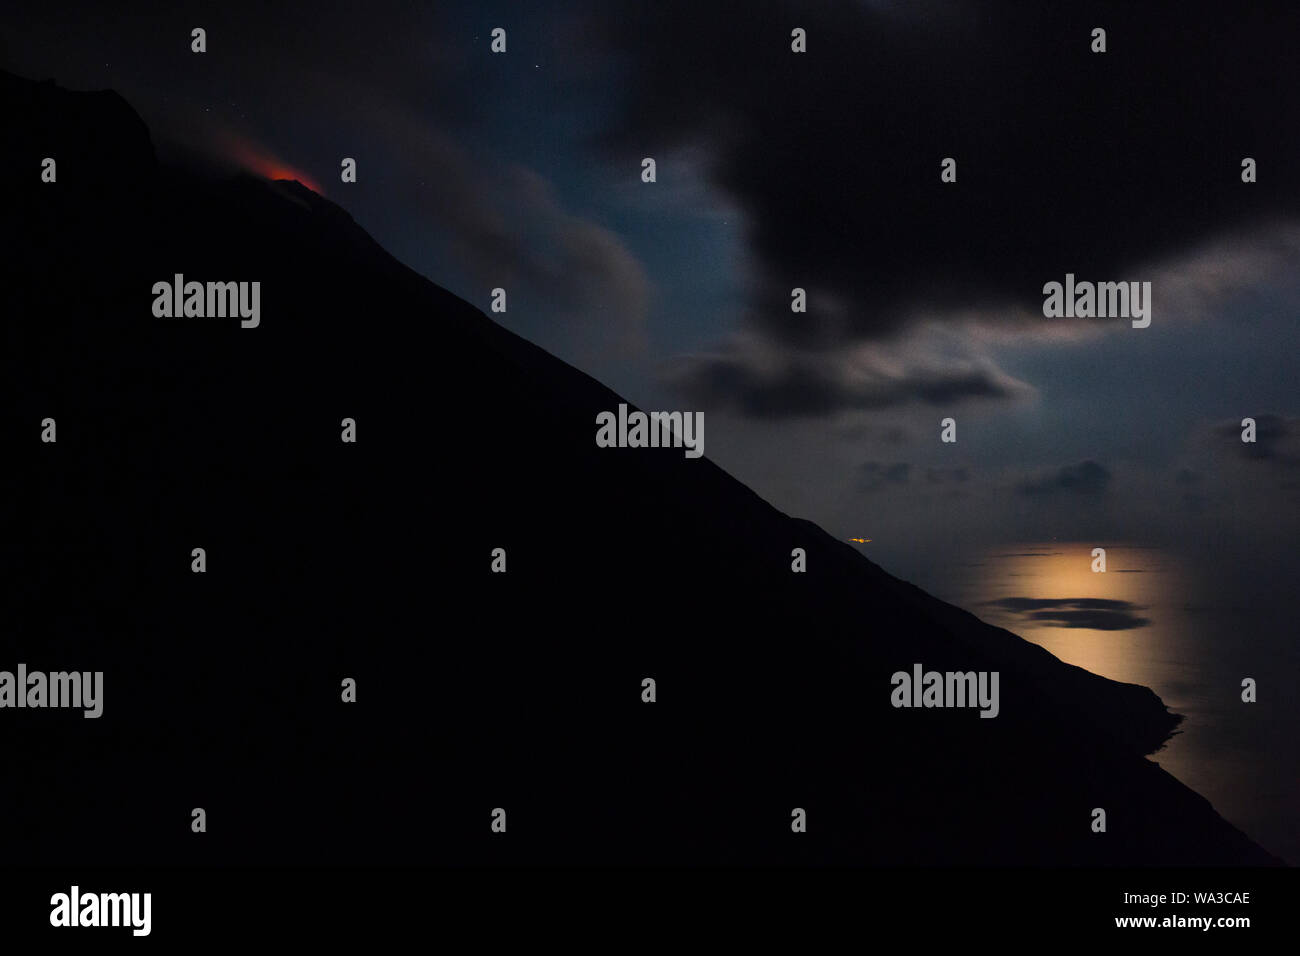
<point x="372" y="561"/>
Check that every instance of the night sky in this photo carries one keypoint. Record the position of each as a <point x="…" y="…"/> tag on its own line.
<point x="821" y="171"/>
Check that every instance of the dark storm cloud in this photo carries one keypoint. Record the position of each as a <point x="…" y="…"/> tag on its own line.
<point x="1086" y="479"/>
<point x="1227" y="475"/>
<point x="1067" y="160"/>
<point x="865" y="431"/>
<point x="1099" y="614"/>
<point x="938" y="476"/>
<point x="1275" y="439"/>
<point x="776" y="385"/>
<point x="875" y="475"/>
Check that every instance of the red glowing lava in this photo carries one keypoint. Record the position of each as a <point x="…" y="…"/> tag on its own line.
<point x="262" y="162"/>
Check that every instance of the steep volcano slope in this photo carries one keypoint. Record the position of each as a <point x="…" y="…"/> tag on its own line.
<point x="475" y="690"/>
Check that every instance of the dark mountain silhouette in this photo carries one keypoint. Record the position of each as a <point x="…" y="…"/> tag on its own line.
<point x="371" y="561"/>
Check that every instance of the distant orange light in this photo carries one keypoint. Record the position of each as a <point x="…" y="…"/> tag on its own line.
<point x="860" y="540"/>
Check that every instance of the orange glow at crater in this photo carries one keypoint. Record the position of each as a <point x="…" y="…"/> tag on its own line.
<point x="262" y="162"/>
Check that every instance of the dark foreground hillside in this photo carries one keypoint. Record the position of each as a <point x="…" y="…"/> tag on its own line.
<point x="372" y="561"/>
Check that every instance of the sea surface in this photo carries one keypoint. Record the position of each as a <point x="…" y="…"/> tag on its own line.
<point x="1153" y="619"/>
